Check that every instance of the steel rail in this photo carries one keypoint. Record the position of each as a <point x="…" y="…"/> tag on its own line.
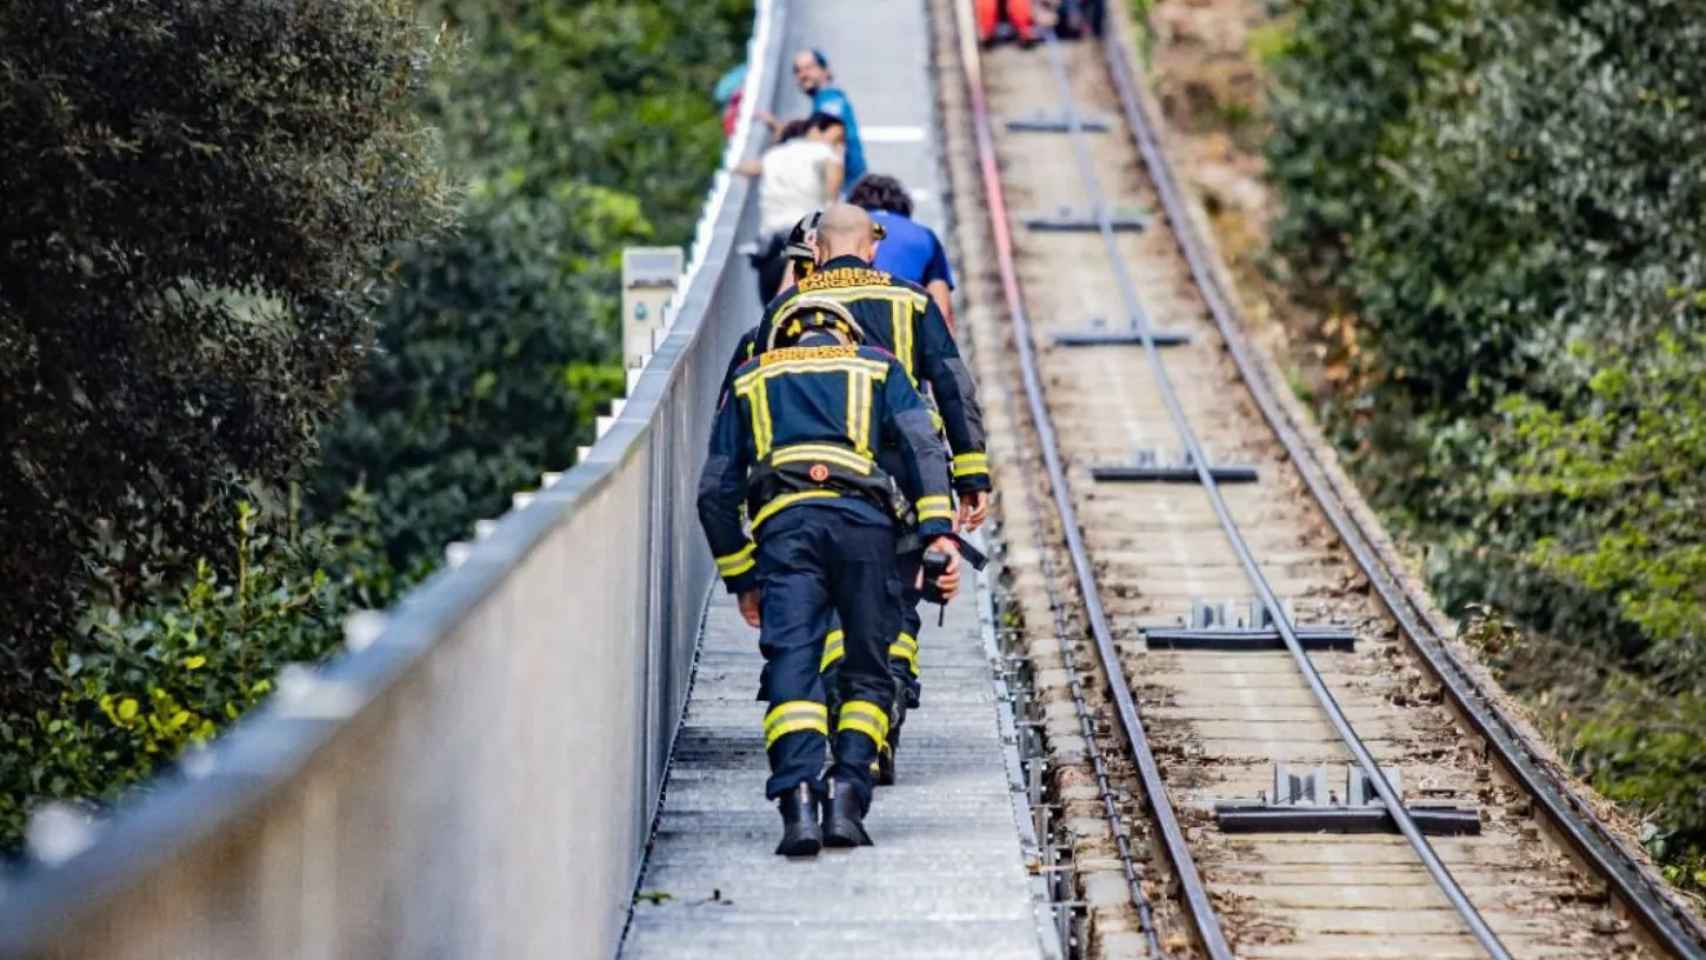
<point x="1087" y="727"/>
<point x="1663" y="919"/>
<point x="1389" y="797"/>
<point x="1194" y="893"/>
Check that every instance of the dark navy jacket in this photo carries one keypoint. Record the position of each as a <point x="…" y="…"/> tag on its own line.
<point x="901" y="318"/>
<point x="817" y="415"/>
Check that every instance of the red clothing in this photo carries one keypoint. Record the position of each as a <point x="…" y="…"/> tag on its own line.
<point x="1018" y="14"/>
<point x="731" y="114"/>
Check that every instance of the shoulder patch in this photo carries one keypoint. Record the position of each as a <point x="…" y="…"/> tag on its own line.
<point x="843" y="277"/>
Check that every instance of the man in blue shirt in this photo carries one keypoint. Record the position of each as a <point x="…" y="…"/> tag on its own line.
<point x="908" y="250"/>
<point x="811" y="72"/>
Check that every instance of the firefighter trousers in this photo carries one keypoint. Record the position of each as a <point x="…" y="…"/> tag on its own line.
<point x="813" y="561"/>
<point x="902" y="650"/>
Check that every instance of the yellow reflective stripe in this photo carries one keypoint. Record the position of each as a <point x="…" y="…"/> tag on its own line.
<point x="794" y="453"/>
<point x="905" y="647"/>
<point x="845" y="294"/>
<point x="877" y="368"/>
<point x="767" y="429"/>
<point x="775" y="714"/>
<point x="861" y="384"/>
<point x="834" y="648"/>
<point x="787" y="500"/>
<point x="934" y="508"/>
<point x="794" y="716"/>
<point x="900" y="321"/>
<point x="867" y="718"/>
<point x="971" y="464"/>
<point x="853" y="409"/>
<point x="758" y="398"/>
<point x="812" y="724"/>
<point x="739" y="562"/>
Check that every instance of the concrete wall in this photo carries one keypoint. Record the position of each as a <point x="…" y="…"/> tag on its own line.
<point x="479" y="778"/>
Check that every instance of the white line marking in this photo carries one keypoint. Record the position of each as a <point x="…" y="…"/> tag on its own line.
<point x="891" y="134"/>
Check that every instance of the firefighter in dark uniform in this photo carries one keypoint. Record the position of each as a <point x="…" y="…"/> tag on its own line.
<point x="902" y="318"/>
<point x="800" y="254"/>
<point x="795" y="444"/>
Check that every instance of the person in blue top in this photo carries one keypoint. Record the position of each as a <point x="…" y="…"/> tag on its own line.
<point x="811" y="72"/>
<point x="908" y="250"/>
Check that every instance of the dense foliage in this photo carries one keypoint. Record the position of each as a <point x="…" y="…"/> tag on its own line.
<point x="570" y="129"/>
<point x="1505" y="203"/>
<point x="491" y="360"/>
<point x="199" y="198"/>
<point x="581" y="128"/>
<point x="138" y="683"/>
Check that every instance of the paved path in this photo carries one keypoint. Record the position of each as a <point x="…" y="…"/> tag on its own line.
<point x="947" y="877"/>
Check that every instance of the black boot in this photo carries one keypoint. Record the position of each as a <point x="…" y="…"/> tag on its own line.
<point x="801" y="836"/>
<point x="843" y="821"/>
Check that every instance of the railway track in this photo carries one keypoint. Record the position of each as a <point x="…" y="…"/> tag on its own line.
<point x="1145" y="740"/>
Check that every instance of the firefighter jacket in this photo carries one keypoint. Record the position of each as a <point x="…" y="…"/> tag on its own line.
<point x="902" y="319"/>
<point x="801" y="425"/>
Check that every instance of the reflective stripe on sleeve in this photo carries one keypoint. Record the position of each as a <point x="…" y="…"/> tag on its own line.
<point x="739" y="562"/>
<point x="934" y="508"/>
<point x="971" y="464"/>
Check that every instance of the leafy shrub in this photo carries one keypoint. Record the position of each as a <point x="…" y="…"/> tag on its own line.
<point x="577" y="128"/>
<point x="1613" y="477"/>
<point x="467" y="398"/>
<point x="582" y="129"/>
<point x="199" y="197"/>
<point x="136" y="685"/>
<point x="1649" y="751"/>
<point x="1503" y="203"/>
<point x="605" y="93"/>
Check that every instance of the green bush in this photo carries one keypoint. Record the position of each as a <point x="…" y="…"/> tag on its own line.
<point x="200" y="197"/>
<point x="583" y="128"/>
<point x="136" y="685"/>
<point x="1506" y="202"/>
<point x="467" y="398"/>
<point x="575" y="129"/>
<point x="1614" y="478"/>
<point x="1648" y="751"/>
<point x="602" y="93"/>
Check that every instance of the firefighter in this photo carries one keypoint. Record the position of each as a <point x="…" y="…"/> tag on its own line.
<point x="902" y="318"/>
<point x="795" y="444"/>
<point x="799" y="253"/>
<point x="1017" y="12"/>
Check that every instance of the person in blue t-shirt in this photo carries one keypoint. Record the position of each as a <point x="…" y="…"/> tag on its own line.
<point x="908" y="250"/>
<point x="811" y="72"/>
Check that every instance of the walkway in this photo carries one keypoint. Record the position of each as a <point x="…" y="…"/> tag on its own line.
<point x="947" y="877"/>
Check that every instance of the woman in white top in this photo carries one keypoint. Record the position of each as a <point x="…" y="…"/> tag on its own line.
<point x="801" y="174"/>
